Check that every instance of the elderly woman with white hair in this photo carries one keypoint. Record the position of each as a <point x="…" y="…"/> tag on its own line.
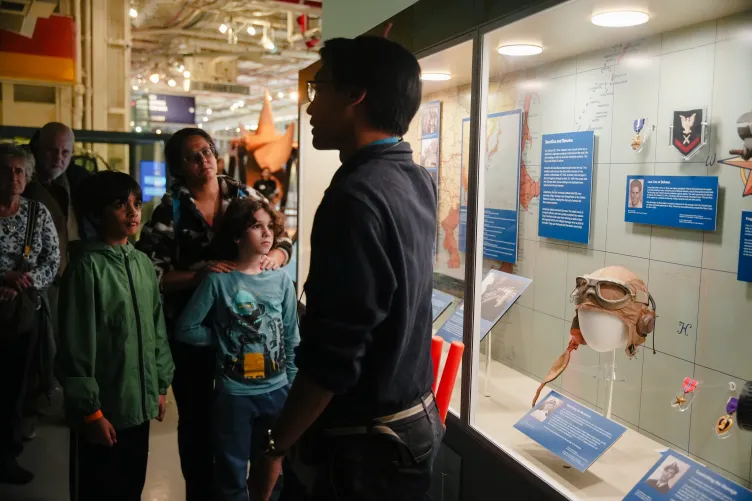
<point x="29" y="259"/>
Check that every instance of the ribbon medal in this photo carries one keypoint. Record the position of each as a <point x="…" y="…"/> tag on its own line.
<point x="725" y="423"/>
<point x="637" y="141"/>
<point x="683" y="401"/>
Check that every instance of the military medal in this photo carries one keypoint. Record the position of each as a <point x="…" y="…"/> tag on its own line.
<point x="689" y="131"/>
<point x="725" y="423"/>
<point x="637" y="141"/>
<point x="683" y="401"/>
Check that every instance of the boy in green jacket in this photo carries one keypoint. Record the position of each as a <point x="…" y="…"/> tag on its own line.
<point x="114" y="362"/>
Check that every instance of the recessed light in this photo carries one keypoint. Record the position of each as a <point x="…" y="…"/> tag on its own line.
<point x="435" y="77"/>
<point x="620" y="19"/>
<point x="520" y="49"/>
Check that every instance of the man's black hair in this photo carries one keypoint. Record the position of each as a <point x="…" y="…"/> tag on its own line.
<point x="388" y="73"/>
<point x="103" y="189"/>
<point x="174" y="157"/>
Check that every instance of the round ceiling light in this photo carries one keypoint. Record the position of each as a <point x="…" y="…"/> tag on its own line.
<point x="435" y="77"/>
<point x="620" y="18"/>
<point x="520" y="49"/>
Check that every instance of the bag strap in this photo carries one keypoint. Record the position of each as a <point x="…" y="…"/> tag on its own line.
<point x="31" y="221"/>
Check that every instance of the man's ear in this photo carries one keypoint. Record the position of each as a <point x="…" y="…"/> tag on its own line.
<point x="357" y="96"/>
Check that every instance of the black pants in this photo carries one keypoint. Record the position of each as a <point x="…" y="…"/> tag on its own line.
<point x="374" y="467"/>
<point x="114" y="473"/>
<point x="15" y="363"/>
<point x="193" y="386"/>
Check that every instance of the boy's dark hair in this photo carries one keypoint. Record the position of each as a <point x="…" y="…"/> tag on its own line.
<point x="388" y="73"/>
<point x="174" y="158"/>
<point x="239" y="217"/>
<point x="102" y="189"/>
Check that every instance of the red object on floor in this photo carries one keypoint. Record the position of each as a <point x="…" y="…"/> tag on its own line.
<point x="448" y="378"/>
<point x="437" y="346"/>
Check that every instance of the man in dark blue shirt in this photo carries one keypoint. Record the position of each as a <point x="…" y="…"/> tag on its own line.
<point x="361" y="413"/>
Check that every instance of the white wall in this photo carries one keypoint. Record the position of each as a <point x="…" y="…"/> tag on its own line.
<point x="350" y="18"/>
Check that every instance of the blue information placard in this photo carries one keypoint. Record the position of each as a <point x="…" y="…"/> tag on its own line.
<point x="440" y="301"/>
<point x="676" y="477"/>
<point x="566" y="186"/>
<point x="499" y="291"/>
<point x="689" y="202"/>
<point x="573" y="432"/>
<point x="153" y="179"/>
<point x="744" y="271"/>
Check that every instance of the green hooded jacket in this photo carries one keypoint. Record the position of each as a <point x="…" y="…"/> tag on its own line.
<point x="113" y="353"/>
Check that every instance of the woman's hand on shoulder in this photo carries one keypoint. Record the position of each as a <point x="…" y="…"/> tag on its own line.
<point x="214" y="267"/>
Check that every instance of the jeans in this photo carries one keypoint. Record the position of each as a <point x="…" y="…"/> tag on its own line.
<point x="240" y="424"/>
<point x="116" y="473"/>
<point x="373" y="467"/>
<point x="193" y="386"/>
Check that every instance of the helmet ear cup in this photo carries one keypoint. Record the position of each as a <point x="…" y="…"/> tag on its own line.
<point x="646" y="323"/>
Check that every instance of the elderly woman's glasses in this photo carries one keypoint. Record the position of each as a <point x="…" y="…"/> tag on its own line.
<point x="202" y="154"/>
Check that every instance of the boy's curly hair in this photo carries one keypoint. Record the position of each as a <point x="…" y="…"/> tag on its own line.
<point x="239" y="217"/>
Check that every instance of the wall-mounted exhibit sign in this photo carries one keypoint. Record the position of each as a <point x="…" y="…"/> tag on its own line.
<point x="566" y="186"/>
<point x="573" y="432"/>
<point x="502" y="181"/>
<point x="744" y="270"/>
<point x="675" y="476"/>
<point x="153" y="179"/>
<point x="172" y="109"/>
<point x="499" y="291"/>
<point x="689" y="132"/>
<point x="688" y="202"/>
<point x="440" y="301"/>
<point x="430" y="137"/>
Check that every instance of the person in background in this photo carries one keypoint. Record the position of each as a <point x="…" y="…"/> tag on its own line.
<point x="267" y="186"/>
<point x="180" y="240"/>
<point x="250" y="315"/>
<point x="364" y="357"/>
<point x="39" y="270"/>
<point x="114" y="361"/>
<point x="221" y="166"/>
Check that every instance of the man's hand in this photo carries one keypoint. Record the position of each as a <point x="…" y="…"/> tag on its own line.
<point x="273" y="260"/>
<point x="101" y="432"/>
<point x="264" y="475"/>
<point x="7" y="293"/>
<point x="18" y="280"/>
<point x="162" y="407"/>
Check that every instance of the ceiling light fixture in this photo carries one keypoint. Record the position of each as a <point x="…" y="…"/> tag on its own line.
<point x="133" y="123"/>
<point x="620" y="18"/>
<point x="186" y="84"/>
<point x="135" y="87"/>
<point x="200" y="126"/>
<point x="181" y="68"/>
<point x="171" y="82"/>
<point x="223" y="28"/>
<point x="280" y="95"/>
<point x="520" y="49"/>
<point x="187" y="74"/>
<point x="251" y="30"/>
<point x="138" y="129"/>
<point x="154" y="78"/>
<point x="241" y="104"/>
<point x="205" y="119"/>
<point x="237" y="129"/>
<point x="435" y="77"/>
<point x="208" y="111"/>
<point x="133" y="13"/>
<point x="159" y="131"/>
<point x="293" y="96"/>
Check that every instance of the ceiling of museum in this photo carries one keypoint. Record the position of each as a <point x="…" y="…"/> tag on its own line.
<point x="226" y="53"/>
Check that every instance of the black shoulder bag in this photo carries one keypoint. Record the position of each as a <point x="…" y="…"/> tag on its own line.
<point x="20" y="314"/>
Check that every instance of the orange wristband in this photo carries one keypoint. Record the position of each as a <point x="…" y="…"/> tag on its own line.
<point x="93" y="417"/>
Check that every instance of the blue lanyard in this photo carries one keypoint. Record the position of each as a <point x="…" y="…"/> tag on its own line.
<point x="389" y="140"/>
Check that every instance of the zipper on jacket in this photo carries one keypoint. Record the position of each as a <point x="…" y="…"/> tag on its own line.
<point x="139" y="336"/>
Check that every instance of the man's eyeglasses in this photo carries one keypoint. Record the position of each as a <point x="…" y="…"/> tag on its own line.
<point x="312" y="87"/>
<point x="202" y="154"/>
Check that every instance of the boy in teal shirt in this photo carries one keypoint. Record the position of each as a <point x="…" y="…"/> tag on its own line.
<point x="113" y="363"/>
<point x="250" y="316"/>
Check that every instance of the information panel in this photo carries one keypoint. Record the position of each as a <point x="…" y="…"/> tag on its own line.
<point x="566" y="186"/>
<point x="688" y="202"/>
<point x="676" y="477"/>
<point x="499" y="292"/>
<point x="744" y="271"/>
<point x="153" y="179"/>
<point x="502" y="181"/>
<point x="440" y="301"/>
<point x="573" y="432"/>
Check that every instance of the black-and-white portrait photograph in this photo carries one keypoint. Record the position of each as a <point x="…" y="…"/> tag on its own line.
<point x="667" y="474"/>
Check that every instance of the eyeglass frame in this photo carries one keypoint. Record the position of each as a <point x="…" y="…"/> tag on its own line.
<point x="311" y="88"/>
<point x="195" y="158"/>
<point x="580" y="292"/>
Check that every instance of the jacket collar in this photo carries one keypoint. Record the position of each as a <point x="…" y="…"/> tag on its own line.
<point x="399" y="152"/>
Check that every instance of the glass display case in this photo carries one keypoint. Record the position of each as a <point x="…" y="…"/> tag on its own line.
<point x="654" y="101"/>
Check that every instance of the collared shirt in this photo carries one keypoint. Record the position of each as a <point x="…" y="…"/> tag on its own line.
<point x="191" y="247"/>
<point x="366" y="334"/>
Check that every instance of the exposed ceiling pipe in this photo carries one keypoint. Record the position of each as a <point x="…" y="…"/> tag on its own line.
<point x="241" y="48"/>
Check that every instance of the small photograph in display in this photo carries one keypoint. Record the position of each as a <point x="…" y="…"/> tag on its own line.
<point x="429" y="119"/>
<point x="548" y="406"/>
<point x="499" y="293"/>
<point x="665" y="477"/>
<point x="429" y="153"/>
<point x="636" y="193"/>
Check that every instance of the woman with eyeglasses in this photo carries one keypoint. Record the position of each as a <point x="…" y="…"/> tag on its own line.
<point x="180" y="239"/>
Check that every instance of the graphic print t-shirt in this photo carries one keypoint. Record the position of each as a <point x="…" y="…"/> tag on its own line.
<point x="251" y="319"/>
